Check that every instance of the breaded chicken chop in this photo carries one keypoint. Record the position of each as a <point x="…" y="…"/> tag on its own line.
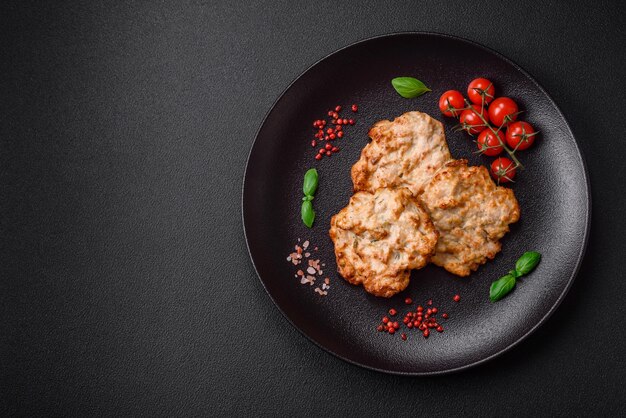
<point x="379" y="237"/>
<point x="404" y="153"/>
<point x="471" y="214"/>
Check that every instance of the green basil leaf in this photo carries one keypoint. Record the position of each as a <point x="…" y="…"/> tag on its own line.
<point x="309" y="198"/>
<point x="501" y="287"/>
<point x="527" y="262"/>
<point x="310" y="182"/>
<point x="409" y="87"/>
<point x="307" y="212"/>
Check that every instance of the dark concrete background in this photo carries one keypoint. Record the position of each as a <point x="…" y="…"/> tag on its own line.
<point x="125" y="284"/>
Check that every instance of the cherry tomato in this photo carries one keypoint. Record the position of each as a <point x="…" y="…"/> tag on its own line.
<point x="481" y="87"/>
<point x="450" y="101"/>
<point x="471" y="122"/>
<point x="520" y="135"/>
<point x="503" y="169"/>
<point x="503" y="111"/>
<point x="489" y="144"/>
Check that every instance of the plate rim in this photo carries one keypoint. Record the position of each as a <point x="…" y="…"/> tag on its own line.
<point x="581" y="254"/>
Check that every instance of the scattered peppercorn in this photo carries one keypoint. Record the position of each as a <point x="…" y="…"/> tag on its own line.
<point x="422" y="319"/>
<point x="329" y="134"/>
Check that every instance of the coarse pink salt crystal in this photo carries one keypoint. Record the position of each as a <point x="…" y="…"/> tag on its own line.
<point x="315" y="264"/>
<point x="308" y="279"/>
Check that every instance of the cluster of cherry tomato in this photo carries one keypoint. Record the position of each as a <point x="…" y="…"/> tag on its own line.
<point x="489" y="117"/>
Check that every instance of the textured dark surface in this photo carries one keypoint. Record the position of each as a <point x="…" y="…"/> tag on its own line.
<point x="125" y="285"/>
<point x="554" y="219"/>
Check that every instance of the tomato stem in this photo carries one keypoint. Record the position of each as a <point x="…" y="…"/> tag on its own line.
<point x="495" y="132"/>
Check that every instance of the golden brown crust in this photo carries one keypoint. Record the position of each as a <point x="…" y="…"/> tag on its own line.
<point x="404" y="153"/>
<point x="379" y="237"/>
<point x="471" y="214"/>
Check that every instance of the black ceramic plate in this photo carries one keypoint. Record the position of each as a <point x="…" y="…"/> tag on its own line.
<point x="553" y="192"/>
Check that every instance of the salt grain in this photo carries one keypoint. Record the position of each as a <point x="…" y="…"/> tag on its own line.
<point x="315" y="264"/>
<point x="313" y="269"/>
<point x="320" y="291"/>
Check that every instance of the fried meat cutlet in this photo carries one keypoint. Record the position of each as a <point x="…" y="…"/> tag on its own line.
<point x="379" y="237"/>
<point x="471" y="214"/>
<point x="404" y="153"/>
